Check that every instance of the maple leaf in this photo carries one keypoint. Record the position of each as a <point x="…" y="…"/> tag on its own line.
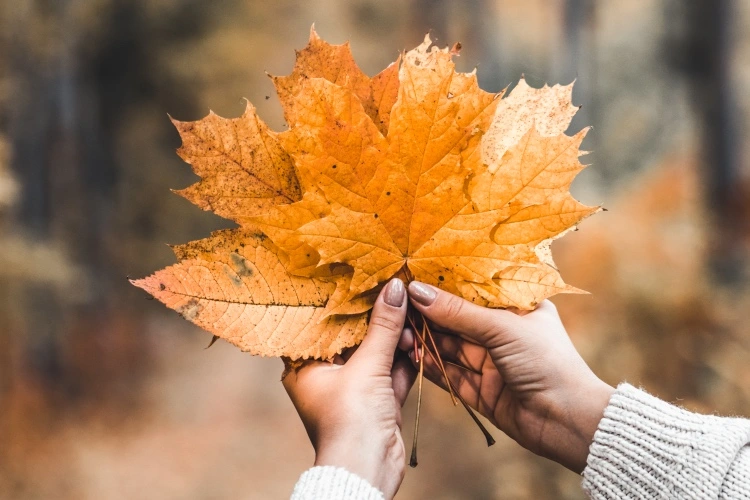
<point x="416" y="171"/>
<point x="466" y="190"/>
<point x="336" y="64"/>
<point x="243" y="168"/>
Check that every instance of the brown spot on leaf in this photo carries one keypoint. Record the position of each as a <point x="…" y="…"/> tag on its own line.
<point x="190" y="310"/>
<point x="241" y="266"/>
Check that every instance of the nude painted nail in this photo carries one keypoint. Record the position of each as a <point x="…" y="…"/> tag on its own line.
<point x="394" y="293"/>
<point x="424" y="294"/>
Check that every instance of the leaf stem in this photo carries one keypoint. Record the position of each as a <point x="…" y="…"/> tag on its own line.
<point x="487" y="435"/>
<point x="413" y="460"/>
<point x="438" y="360"/>
<point x="426" y="328"/>
<point x="436" y="356"/>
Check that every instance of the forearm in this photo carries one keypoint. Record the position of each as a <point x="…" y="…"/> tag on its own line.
<point x="646" y="448"/>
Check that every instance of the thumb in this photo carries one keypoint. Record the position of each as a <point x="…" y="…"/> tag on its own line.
<point x="386" y="325"/>
<point x="479" y="324"/>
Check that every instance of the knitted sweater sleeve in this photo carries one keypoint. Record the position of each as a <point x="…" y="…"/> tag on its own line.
<point x="333" y="483"/>
<point x="646" y="448"/>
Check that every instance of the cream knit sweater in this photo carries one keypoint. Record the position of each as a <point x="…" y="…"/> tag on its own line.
<point x="644" y="448"/>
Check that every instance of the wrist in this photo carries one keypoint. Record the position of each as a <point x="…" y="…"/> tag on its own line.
<point x="351" y="458"/>
<point x="370" y="458"/>
<point x="574" y="422"/>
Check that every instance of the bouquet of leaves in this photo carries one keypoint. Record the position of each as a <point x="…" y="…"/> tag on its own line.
<point x="415" y="172"/>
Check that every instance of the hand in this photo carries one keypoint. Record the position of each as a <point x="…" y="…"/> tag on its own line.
<point x="522" y="372"/>
<point x="352" y="408"/>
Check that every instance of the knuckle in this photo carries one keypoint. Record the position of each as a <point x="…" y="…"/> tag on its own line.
<point x="386" y="322"/>
<point x="503" y="326"/>
<point x="549" y="305"/>
<point x="454" y="308"/>
<point x="496" y="335"/>
<point x="544" y="311"/>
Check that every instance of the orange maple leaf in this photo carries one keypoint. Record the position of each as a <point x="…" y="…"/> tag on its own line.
<point x="415" y="171"/>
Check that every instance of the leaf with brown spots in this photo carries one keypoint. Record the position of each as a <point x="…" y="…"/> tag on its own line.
<point x="415" y="172"/>
<point x="236" y="286"/>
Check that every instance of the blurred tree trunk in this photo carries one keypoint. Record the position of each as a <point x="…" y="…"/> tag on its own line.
<point x="576" y="53"/>
<point x="72" y="101"/>
<point x="702" y="53"/>
<point x="32" y="129"/>
<point x="577" y="58"/>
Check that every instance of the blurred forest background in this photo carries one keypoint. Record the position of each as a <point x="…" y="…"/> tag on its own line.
<point x="106" y="395"/>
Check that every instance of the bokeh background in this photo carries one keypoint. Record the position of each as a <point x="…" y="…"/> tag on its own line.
<point x="106" y="395"/>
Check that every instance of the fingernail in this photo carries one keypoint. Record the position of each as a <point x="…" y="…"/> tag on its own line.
<point x="424" y="294"/>
<point x="394" y="293"/>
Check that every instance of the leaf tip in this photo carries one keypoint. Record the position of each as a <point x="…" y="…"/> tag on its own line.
<point x="576" y="291"/>
<point x="140" y="283"/>
<point x="249" y="108"/>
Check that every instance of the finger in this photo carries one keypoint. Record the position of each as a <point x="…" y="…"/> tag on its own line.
<point x="403" y="375"/>
<point x="462" y="352"/>
<point x="384" y="331"/>
<point x="406" y="341"/>
<point x="478" y="324"/>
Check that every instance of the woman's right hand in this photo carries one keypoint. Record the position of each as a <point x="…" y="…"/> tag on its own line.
<point x="522" y="372"/>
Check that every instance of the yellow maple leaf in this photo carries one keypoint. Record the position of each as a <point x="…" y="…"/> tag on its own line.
<point x="243" y="168"/>
<point x="336" y="64"/>
<point x="466" y="190"/>
<point x="416" y="171"/>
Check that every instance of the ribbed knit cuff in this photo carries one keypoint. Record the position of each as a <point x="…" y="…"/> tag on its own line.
<point x="737" y="482"/>
<point x="646" y="448"/>
<point x="333" y="483"/>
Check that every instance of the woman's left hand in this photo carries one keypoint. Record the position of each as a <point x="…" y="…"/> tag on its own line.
<point x="352" y="411"/>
